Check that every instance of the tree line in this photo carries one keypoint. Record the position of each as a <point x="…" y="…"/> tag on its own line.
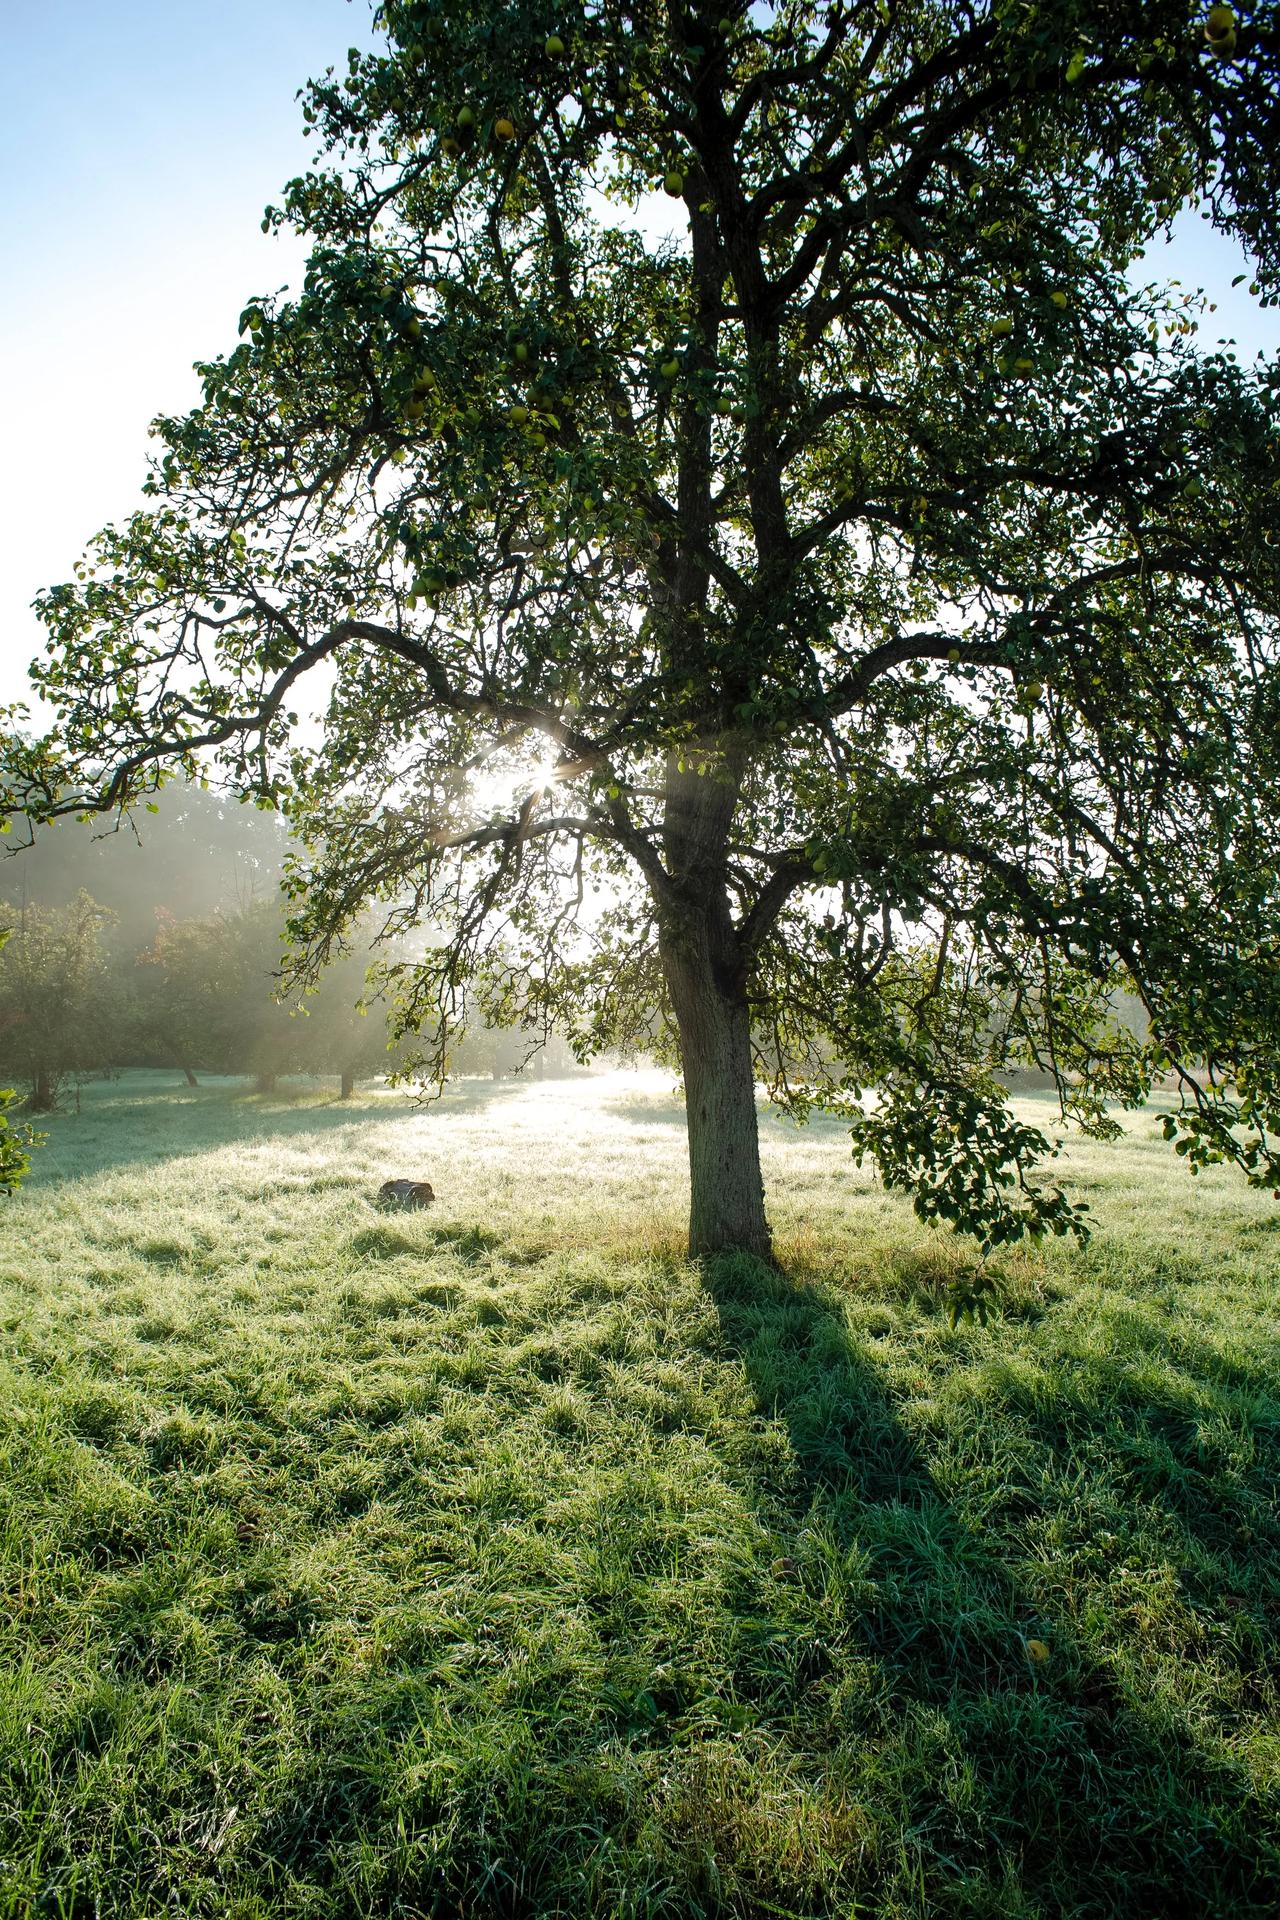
<point x="164" y="949"/>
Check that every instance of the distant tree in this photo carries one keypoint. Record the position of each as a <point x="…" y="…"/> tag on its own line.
<point x="206" y="996"/>
<point x="14" y="1142"/>
<point x="181" y="992"/>
<point x="265" y="1034"/>
<point x="501" y="1051"/>
<point x="868" y="586"/>
<point x="56" y="998"/>
<point x="344" y="1028"/>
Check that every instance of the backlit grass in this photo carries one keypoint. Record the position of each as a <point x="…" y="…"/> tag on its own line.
<point x="494" y="1560"/>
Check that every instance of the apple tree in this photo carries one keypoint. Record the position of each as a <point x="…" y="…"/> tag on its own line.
<point x="760" y="552"/>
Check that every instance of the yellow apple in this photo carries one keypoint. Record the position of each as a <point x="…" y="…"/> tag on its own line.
<point x="674" y="183"/>
<point x="553" y="46"/>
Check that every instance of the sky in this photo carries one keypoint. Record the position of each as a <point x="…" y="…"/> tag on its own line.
<point x="139" y="144"/>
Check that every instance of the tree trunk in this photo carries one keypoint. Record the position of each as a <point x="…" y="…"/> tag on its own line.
<point x="705" y="966"/>
<point x="265" y="1083"/>
<point x="348" y="1084"/>
<point x="190" y="1077"/>
<point x="44" y="1091"/>
<point x="708" y="996"/>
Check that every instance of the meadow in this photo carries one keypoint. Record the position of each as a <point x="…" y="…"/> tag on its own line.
<point x="495" y="1560"/>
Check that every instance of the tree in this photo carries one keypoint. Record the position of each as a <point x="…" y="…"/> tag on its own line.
<point x="865" y="589"/>
<point x="208" y="996"/>
<point x="55" y="998"/>
<point x="183" y="996"/>
<point x="14" y="1161"/>
<point x="345" y="1032"/>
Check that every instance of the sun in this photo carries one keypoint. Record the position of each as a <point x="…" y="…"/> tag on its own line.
<point x="498" y="785"/>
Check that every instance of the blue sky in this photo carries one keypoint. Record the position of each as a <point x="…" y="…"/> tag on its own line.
<point x="139" y="144"/>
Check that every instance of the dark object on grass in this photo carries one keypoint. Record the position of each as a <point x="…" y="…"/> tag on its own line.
<point x="406" y="1193"/>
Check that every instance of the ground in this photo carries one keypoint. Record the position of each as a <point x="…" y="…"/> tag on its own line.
<point x="493" y="1560"/>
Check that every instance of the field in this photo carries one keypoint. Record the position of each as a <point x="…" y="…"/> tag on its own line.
<point x="496" y="1561"/>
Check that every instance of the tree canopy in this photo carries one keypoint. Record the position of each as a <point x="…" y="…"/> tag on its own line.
<point x="758" y="553"/>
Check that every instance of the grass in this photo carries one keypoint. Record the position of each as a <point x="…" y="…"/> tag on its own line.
<point x="494" y="1560"/>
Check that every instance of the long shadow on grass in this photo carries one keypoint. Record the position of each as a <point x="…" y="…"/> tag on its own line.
<point x="1025" y="1786"/>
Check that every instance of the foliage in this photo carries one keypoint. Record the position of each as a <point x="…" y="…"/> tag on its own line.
<point x="210" y="994"/>
<point x="498" y="1560"/>
<point x="864" y="588"/>
<point x="14" y="1161"/>
<point x="56" y="1004"/>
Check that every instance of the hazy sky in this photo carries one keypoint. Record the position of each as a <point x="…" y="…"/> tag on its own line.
<point x="139" y="143"/>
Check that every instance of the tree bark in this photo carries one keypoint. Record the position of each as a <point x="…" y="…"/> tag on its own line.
<point x="265" y="1083"/>
<point x="348" y="1084"/>
<point x="726" y="1188"/>
<point x="707" y="980"/>
<point x="190" y="1077"/>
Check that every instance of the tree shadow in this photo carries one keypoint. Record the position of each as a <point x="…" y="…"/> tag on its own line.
<point x="1037" y="1778"/>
